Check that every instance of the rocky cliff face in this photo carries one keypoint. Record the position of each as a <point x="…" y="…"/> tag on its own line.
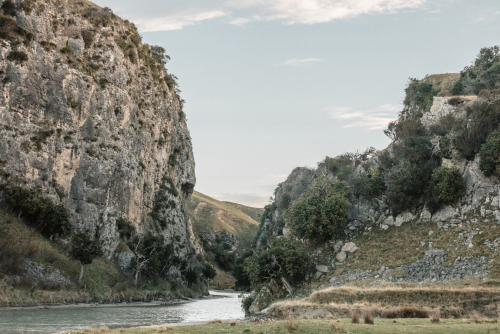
<point x="89" y="114"/>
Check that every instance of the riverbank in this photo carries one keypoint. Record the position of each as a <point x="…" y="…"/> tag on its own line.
<point x="381" y="326"/>
<point x="41" y="320"/>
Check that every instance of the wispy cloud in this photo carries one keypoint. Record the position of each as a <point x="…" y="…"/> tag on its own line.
<point x="318" y="11"/>
<point x="373" y="119"/>
<point x="177" y="21"/>
<point x="295" y="62"/>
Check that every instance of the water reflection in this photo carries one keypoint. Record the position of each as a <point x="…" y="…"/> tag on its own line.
<point x="44" y="321"/>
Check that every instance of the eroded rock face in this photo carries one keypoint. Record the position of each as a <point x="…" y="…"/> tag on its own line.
<point x="90" y="119"/>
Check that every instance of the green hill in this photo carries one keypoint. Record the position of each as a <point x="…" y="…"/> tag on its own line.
<point x="210" y="216"/>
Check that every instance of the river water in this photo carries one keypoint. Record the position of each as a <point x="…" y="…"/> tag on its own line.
<point x="55" y="320"/>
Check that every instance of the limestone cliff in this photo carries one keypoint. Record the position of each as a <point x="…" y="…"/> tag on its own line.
<point x="89" y="114"/>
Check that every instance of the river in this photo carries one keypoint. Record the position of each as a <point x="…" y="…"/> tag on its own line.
<point x="55" y="320"/>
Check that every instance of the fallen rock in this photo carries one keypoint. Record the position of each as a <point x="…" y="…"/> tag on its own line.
<point x="349" y="247"/>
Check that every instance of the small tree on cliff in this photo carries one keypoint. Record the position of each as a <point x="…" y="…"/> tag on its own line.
<point x="85" y="250"/>
<point x="321" y="212"/>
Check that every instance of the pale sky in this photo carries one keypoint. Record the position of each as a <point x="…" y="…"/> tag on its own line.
<point x="271" y="85"/>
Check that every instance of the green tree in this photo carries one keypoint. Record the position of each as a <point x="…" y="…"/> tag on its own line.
<point x="321" y="212"/>
<point x="447" y="185"/>
<point x="285" y="258"/>
<point x="490" y="154"/>
<point x="40" y="212"/>
<point x="85" y="250"/>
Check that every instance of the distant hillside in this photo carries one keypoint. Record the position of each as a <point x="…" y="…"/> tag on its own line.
<point x="210" y="216"/>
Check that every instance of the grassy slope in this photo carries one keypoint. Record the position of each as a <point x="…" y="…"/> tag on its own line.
<point x="382" y="326"/>
<point x="102" y="280"/>
<point x="207" y="213"/>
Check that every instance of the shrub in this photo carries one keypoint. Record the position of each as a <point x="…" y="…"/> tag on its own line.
<point x="404" y="187"/>
<point x="9" y="8"/>
<point x="125" y="228"/>
<point x="446" y="186"/>
<point x="368" y="185"/>
<point x="247" y="302"/>
<point x="483" y="74"/>
<point x="285" y="258"/>
<point x="419" y="95"/>
<point x="18" y="56"/>
<point x="66" y="50"/>
<point x="484" y="118"/>
<point x="355" y="316"/>
<point x="490" y="154"/>
<point x="84" y="249"/>
<point x="40" y="212"/>
<point x="368" y="317"/>
<point x="11" y="31"/>
<point x="321" y="212"/>
<point x="88" y="38"/>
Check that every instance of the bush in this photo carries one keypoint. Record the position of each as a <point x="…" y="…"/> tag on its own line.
<point x="483" y="74"/>
<point x="404" y="187"/>
<point x="49" y="218"/>
<point x="125" y="228"/>
<point x="11" y="31"/>
<point x="490" y="154"/>
<point x="369" y="184"/>
<point x="321" y="212"/>
<point x="285" y="258"/>
<point x="484" y="118"/>
<point x="18" y="56"/>
<point x="419" y="95"/>
<point x="447" y="185"/>
<point x="88" y="38"/>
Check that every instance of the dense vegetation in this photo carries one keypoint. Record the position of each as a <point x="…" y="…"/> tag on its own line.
<point x="407" y="176"/>
<point x="285" y="258"/>
<point x="321" y="212"/>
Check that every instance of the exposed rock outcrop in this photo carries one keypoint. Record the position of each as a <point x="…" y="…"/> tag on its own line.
<point x="89" y="114"/>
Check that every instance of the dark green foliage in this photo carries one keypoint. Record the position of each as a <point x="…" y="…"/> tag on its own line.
<point x="88" y="38"/>
<point x="490" y="154"/>
<point x="447" y="186"/>
<point x="125" y="228"/>
<point x="18" y="56"/>
<point x="40" y="212"/>
<point x="285" y="258"/>
<point x="445" y="147"/>
<point x="219" y="254"/>
<point x="103" y="82"/>
<point x="247" y="302"/>
<point x="170" y="80"/>
<point x="159" y="54"/>
<point x="84" y="249"/>
<point x="11" y="31"/>
<point x="483" y="74"/>
<point x="321" y="212"/>
<point x="208" y="271"/>
<point x="404" y="187"/>
<point x="368" y="185"/>
<point x="239" y="273"/>
<point x="162" y="200"/>
<point x="48" y="45"/>
<point x="484" y="118"/>
<point x="419" y="95"/>
<point x="9" y="8"/>
<point x="343" y="165"/>
<point x="411" y="166"/>
<point x="153" y="253"/>
<point x="66" y="50"/>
